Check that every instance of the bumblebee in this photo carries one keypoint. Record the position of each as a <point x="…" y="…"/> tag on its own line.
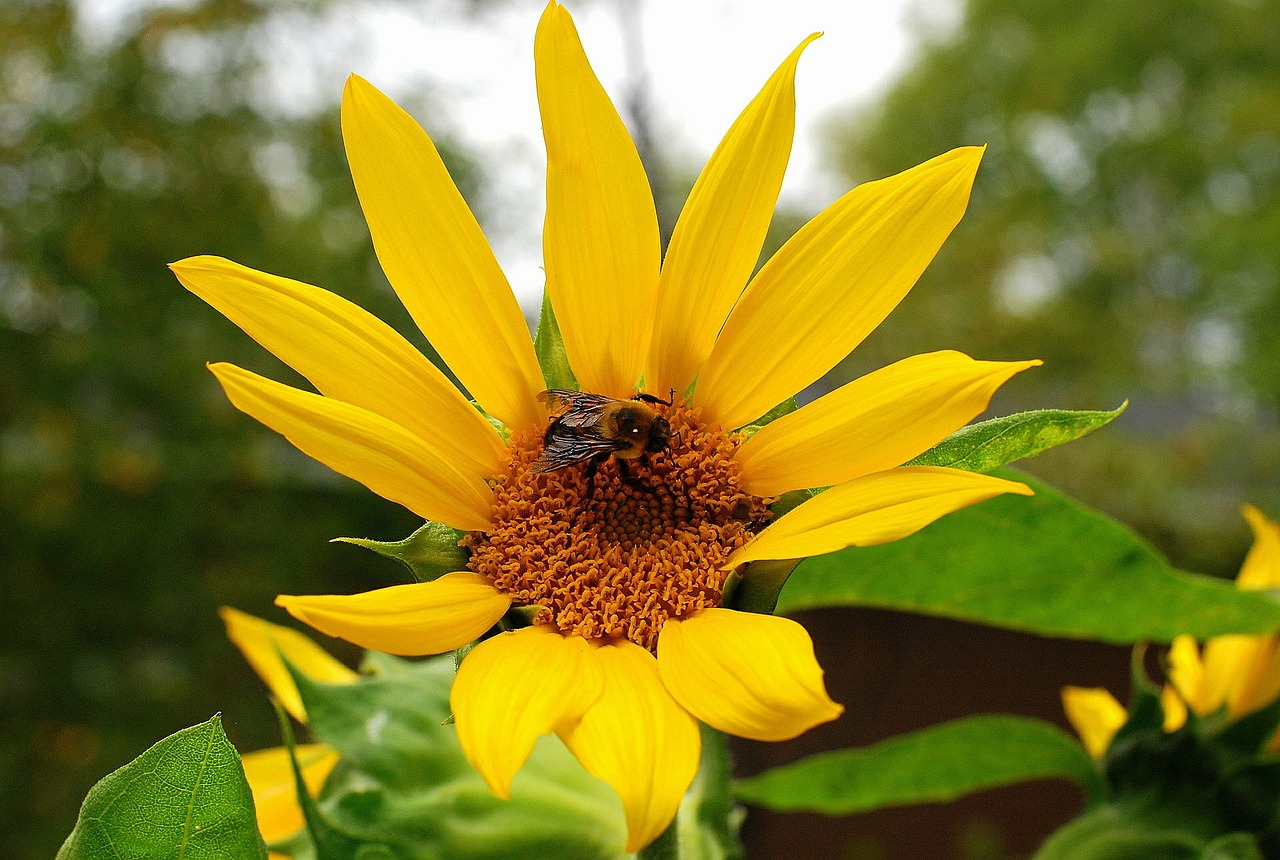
<point x="592" y="428"/>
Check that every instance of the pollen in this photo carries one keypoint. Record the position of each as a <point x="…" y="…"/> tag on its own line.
<point x="618" y="561"/>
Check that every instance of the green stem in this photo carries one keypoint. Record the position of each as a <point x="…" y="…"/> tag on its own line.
<point x="666" y="846"/>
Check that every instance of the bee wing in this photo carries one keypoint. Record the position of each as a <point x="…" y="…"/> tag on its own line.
<point x="569" y="447"/>
<point x="584" y="409"/>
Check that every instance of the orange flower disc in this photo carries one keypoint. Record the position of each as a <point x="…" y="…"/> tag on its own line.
<point x="620" y="563"/>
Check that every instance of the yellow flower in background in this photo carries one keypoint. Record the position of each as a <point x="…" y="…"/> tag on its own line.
<point x="269" y="772"/>
<point x="1238" y="673"/>
<point x="629" y="647"/>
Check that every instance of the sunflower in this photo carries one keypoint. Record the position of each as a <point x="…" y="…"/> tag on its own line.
<point x="1236" y="673"/>
<point x="621" y="574"/>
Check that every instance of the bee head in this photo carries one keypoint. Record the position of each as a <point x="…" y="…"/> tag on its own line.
<point x="659" y="435"/>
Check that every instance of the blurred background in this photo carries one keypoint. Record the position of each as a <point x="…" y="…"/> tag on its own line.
<point x="1125" y="228"/>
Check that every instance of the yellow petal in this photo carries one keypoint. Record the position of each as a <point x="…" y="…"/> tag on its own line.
<point x="348" y="354"/>
<point x="1258" y="683"/>
<point x="750" y="675"/>
<point x="1261" y="568"/>
<point x="264" y="645"/>
<point x="874" y="509"/>
<point x="385" y="457"/>
<point x="600" y="239"/>
<point x="874" y="423"/>
<point x="717" y="240"/>
<point x="638" y="740"/>
<point x="1227" y="661"/>
<point x="1186" y="674"/>
<point x="1175" y="709"/>
<point x="515" y="687"/>
<point x="830" y="285"/>
<point x="1095" y="715"/>
<point x="408" y="620"/>
<point x="436" y="257"/>
<point x="271" y="780"/>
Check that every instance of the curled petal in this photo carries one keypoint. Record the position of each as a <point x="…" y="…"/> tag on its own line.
<point x="264" y="645"/>
<point x="348" y="354"/>
<point x="436" y="257"/>
<point x="874" y="509"/>
<point x="600" y="240"/>
<point x="1095" y="715"/>
<point x="1186" y="675"/>
<point x="716" y="242"/>
<point x="830" y="285"/>
<point x="873" y="423"/>
<point x="750" y="675"/>
<point x="409" y="620"/>
<point x="638" y="740"/>
<point x="270" y="776"/>
<point x="396" y="464"/>
<point x="515" y="687"/>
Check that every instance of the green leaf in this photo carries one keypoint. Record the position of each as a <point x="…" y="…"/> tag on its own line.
<point x="1233" y="846"/>
<point x="990" y="444"/>
<point x="1044" y="564"/>
<point x="429" y="553"/>
<point x="548" y="345"/>
<point x="941" y="763"/>
<point x="403" y="787"/>
<point x="184" y="798"/>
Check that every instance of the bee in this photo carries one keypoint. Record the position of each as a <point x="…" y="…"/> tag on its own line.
<point x="594" y="428"/>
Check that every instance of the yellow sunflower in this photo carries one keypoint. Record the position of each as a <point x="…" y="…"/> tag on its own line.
<point x="624" y="571"/>
<point x="1238" y="673"/>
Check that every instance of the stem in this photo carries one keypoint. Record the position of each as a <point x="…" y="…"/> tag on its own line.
<point x="666" y="846"/>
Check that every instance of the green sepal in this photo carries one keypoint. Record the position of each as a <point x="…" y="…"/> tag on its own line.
<point x="1250" y="734"/>
<point x="756" y="586"/>
<point x="186" y="797"/>
<point x="786" y="407"/>
<point x="548" y="346"/>
<point x="937" y="764"/>
<point x="429" y="553"/>
<point x="990" y="444"/>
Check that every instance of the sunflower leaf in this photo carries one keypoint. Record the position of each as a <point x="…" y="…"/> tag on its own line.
<point x="937" y="764"/>
<point x="186" y="798"/>
<point x="429" y="553"/>
<point x="548" y="345"/>
<point x="1044" y="564"/>
<point x="990" y="444"/>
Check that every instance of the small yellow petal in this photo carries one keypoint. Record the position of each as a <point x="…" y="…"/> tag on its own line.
<point x="409" y="620"/>
<point x="1261" y="568"/>
<point x="436" y="257"/>
<point x="275" y="797"/>
<point x="600" y="239"/>
<point x="874" y="423"/>
<point x="874" y="509"/>
<point x="515" y="687"/>
<point x="638" y="740"/>
<point x="750" y="675"/>
<point x="1186" y="674"/>
<point x="716" y="243"/>
<point x="1175" y="709"/>
<point x="264" y="645"/>
<point x="348" y="354"/>
<point x="1095" y="715"/>
<point x="830" y="285"/>
<point x="396" y="464"/>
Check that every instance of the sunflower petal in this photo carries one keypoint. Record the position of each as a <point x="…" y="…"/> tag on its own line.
<point x="1175" y="709"/>
<point x="1261" y="568"/>
<point x="874" y="509"/>
<point x="750" y="675"/>
<point x="1095" y="715"/>
<point x="348" y="354"/>
<point x="874" y="423"/>
<point x="515" y="687"/>
<point x="264" y="644"/>
<point x="396" y="464"/>
<point x="600" y="240"/>
<point x="830" y="285"/>
<point x="638" y="740"/>
<point x="409" y="620"/>
<point x="275" y="798"/>
<point x="436" y="257"/>
<point x="717" y="240"/>
<point x="1186" y="674"/>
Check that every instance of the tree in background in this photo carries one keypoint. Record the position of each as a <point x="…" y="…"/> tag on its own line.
<point x="1125" y="227"/>
<point x="134" y="501"/>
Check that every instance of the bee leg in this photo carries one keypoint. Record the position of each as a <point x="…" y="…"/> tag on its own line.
<point x="624" y="472"/>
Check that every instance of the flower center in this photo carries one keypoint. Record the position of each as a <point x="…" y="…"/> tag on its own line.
<point x="620" y="560"/>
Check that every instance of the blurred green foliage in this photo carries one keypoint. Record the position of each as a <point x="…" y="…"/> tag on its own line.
<point x="135" y="500"/>
<point x="1124" y="228"/>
